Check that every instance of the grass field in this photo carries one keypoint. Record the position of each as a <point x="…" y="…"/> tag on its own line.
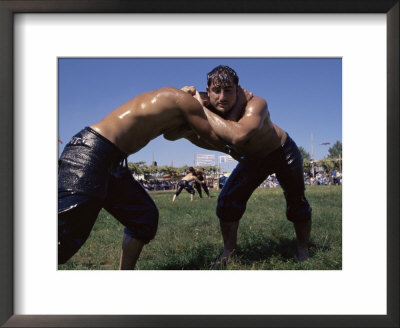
<point x="189" y="238"/>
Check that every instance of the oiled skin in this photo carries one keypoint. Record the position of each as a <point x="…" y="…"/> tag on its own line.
<point x="167" y="111"/>
<point x="249" y="130"/>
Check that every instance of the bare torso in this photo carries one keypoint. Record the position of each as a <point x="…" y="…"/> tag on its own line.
<point x="189" y="177"/>
<point x="268" y="138"/>
<point x="131" y="126"/>
<point x="265" y="140"/>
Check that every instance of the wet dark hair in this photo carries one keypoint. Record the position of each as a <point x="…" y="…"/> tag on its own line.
<point x="221" y="75"/>
<point x="191" y="169"/>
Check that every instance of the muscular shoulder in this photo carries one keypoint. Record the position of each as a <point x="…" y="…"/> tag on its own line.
<point x="256" y="106"/>
<point x="182" y="99"/>
<point x="168" y="93"/>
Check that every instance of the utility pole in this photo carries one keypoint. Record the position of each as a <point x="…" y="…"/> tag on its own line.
<point x="219" y="171"/>
<point x="312" y="154"/>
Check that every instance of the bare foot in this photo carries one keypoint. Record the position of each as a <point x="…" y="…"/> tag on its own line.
<point x="222" y="260"/>
<point x="302" y="252"/>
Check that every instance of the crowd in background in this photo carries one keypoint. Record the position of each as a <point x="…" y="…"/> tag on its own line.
<point x="323" y="178"/>
<point x="155" y="184"/>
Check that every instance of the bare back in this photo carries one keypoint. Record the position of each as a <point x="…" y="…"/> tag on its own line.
<point x="145" y="117"/>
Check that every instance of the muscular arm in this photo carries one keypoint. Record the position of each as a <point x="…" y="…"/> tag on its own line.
<point x="197" y="120"/>
<point x="194" y="125"/>
<point x="185" y="131"/>
<point x="194" y="139"/>
<point x="238" y="133"/>
<point x="199" y="142"/>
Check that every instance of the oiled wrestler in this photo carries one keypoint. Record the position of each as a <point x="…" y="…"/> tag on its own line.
<point x="185" y="183"/>
<point x="265" y="149"/>
<point x="92" y="174"/>
<point x="200" y="176"/>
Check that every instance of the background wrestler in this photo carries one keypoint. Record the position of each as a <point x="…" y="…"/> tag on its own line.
<point x="198" y="185"/>
<point x="91" y="175"/>
<point x="184" y="183"/>
<point x="265" y="149"/>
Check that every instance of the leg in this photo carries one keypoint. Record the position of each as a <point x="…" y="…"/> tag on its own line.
<point x="76" y="217"/>
<point x="189" y="188"/>
<point x="298" y="210"/>
<point x="232" y="200"/>
<point x="229" y="235"/>
<point x="303" y="230"/>
<point x="131" y="249"/>
<point x="198" y="188"/>
<point x="206" y="190"/>
<point x="130" y="204"/>
<point x="178" y="191"/>
<point x="232" y="204"/>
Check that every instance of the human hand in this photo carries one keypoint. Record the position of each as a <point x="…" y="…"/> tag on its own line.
<point x="249" y="95"/>
<point x="244" y="96"/>
<point x="189" y="89"/>
<point x="198" y="97"/>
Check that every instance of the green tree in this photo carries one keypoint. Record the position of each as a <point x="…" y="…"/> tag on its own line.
<point x="336" y="150"/>
<point x="153" y="170"/>
<point x="307" y="165"/>
<point x="183" y="169"/>
<point x="209" y="169"/>
<point x="137" y="168"/>
<point x="327" y="164"/>
<point x="306" y="156"/>
<point x="165" y="169"/>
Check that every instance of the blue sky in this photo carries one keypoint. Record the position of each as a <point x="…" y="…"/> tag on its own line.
<point x="304" y="95"/>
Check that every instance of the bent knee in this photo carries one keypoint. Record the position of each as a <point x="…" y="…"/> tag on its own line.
<point x="150" y="229"/>
<point x="299" y="212"/>
<point x="145" y="228"/>
<point x="228" y="210"/>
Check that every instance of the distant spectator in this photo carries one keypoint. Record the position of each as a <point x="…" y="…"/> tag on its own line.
<point x="334" y="177"/>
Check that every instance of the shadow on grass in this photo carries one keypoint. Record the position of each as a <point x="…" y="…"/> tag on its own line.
<point x="200" y="259"/>
<point x="258" y="251"/>
<point x="265" y="249"/>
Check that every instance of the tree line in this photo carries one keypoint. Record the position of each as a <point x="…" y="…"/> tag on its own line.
<point x="333" y="161"/>
<point x="140" y="168"/>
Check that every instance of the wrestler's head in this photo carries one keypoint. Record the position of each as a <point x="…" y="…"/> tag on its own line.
<point x="222" y="88"/>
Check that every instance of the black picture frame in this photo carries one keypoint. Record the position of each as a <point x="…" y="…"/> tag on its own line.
<point x="11" y="7"/>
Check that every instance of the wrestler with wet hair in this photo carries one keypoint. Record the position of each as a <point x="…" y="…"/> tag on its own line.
<point x="264" y="149"/>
